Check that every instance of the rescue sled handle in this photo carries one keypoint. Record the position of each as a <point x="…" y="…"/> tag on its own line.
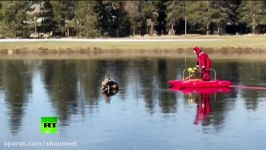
<point x="186" y="70"/>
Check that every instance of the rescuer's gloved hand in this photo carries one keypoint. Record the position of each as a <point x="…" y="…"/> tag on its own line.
<point x="190" y="70"/>
<point x="203" y="70"/>
<point x="195" y="69"/>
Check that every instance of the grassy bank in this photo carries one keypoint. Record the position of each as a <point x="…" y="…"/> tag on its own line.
<point x="218" y="45"/>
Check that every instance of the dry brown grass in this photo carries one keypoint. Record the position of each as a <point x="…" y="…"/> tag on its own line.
<point x="226" y="46"/>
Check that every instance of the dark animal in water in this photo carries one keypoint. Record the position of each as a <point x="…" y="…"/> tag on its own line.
<point x="109" y="87"/>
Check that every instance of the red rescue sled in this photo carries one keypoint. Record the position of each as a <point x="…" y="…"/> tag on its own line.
<point x="197" y="85"/>
<point x="180" y="84"/>
<point x="202" y="90"/>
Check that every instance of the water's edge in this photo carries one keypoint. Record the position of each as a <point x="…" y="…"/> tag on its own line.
<point x="68" y="53"/>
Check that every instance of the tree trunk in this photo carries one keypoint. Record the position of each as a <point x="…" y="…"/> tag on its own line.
<point x="133" y="32"/>
<point x="35" y="29"/>
<point x="172" y="32"/>
<point x="208" y="24"/>
<point x="116" y="32"/>
<point x="186" y="19"/>
<point x="151" y="29"/>
<point x="207" y="31"/>
<point x="172" y="27"/>
<point x="253" y="23"/>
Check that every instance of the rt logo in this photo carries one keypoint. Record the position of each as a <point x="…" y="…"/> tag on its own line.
<point x="49" y="125"/>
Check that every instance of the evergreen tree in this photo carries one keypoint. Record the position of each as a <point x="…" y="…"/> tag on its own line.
<point x="47" y="16"/>
<point x="13" y="18"/>
<point x="113" y="19"/>
<point x="203" y="14"/>
<point x="120" y="24"/>
<point x="1" y="21"/>
<point x="160" y="25"/>
<point x="149" y="11"/>
<point x="63" y="11"/>
<point x="133" y="9"/>
<point x="252" y="13"/>
<point x="141" y="16"/>
<point x="221" y="13"/>
<point x="176" y="12"/>
<point x="199" y="15"/>
<point x="87" y="19"/>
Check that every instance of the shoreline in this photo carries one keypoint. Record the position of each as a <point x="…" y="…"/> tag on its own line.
<point x="220" y="46"/>
<point x="243" y="54"/>
<point x="110" y="40"/>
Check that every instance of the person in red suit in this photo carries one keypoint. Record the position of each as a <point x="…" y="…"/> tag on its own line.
<point x="204" y="108"/>
<point x="203" y="63"/>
